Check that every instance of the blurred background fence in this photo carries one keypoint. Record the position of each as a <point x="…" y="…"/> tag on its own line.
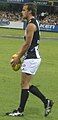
<point x="47" y="14"/>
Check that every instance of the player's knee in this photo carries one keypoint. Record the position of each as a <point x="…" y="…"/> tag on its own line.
<point x="24" y="84"/>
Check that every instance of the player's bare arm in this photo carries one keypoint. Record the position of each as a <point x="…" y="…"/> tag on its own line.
<point x="31" y="28"/>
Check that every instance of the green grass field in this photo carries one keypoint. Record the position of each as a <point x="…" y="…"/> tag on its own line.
<point x="46" y="78"/>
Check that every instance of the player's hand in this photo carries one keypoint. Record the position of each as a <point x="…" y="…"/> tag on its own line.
<point x="14" y="60"/>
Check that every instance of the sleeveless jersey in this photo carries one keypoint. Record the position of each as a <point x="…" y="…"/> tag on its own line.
<point x="32" y="52"/>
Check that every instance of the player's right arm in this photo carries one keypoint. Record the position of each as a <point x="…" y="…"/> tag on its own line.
<point x="31" y="28"/>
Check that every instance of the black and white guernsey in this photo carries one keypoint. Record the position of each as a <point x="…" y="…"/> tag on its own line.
<point x="33" y="49"/>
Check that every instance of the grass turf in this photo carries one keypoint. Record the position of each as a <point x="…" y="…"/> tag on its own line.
<point x="46" y="78"/>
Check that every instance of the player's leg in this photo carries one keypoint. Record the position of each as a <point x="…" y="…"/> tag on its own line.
<point x="24" y="90"/>
<point x="25" y="79"/>
<point x="35" y="91"/>
<point x="47" y="103"/>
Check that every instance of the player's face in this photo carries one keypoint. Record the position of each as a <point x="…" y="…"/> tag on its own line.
<point x="25" y="12"/>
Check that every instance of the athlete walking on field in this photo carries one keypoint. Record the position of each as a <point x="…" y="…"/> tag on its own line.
<point x="31" y="62"/>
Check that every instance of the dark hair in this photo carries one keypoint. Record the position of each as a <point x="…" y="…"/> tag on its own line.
<point x="32" y="7"/>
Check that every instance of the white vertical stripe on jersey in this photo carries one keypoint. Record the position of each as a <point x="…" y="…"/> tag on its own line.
<point x="37" y="52"/>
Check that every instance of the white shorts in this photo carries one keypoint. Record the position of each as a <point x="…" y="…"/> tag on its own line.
<point x="30" y="66"/>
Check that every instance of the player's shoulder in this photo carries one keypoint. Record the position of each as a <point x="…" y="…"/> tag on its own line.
<point x="33" y="20"/>
<point x="31" y="26"/>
